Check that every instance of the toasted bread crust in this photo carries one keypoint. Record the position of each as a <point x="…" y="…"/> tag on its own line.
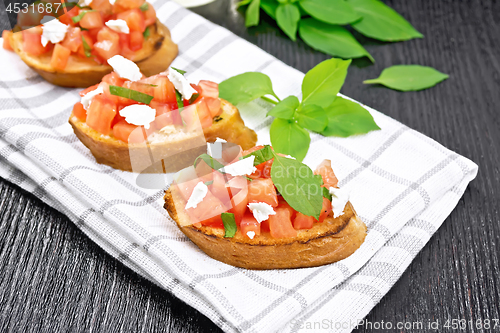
<point x="333" y="240"/>
<point x="157" y="53"/>
<point x="116" y="153"/>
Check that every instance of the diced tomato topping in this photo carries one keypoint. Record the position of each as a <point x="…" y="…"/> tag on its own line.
<point x="204" y="114"/>
<point x="90" y="42"/>
<point x="60" y="57"/>
<point x="283" y="204"/>
<point x="6" y="34"/>
<point x="113" y="79"/>
<point x="134" y="18"/>
<point x="73" y="39"/>
<point x="186" y="187"/>
<point x="190" y="117"/>
<point x="108" y="43"/>
<point x="280" y="225"/>
<point x="101" y="5"/>
<point x="149" y="15"/>
<point x="325" y="170"/>
<point x="218" y="187"/>
<point x="100" y="114"/>
<point x="129" y="133"/>
<point x="66" y="18"/>
<point x="164" y="114"/>
<point x="117" y="118"/>
<point x="79" y="112"/>
<point x="262" y="190"/>
<point x="32" y="43"/>
<point x="128" y="4"/>
<point x="89" y="89"/>
<point x="238" y="189"/>
<point x="209" y="89"/>
<point x="326" y="210"/>
<point x="136" y="40"/>
<point x="302" y="221"/>
<point x="214" y="106"/>
<point x="91" y="20"/>
<point x="249" y="223"/>
<point x="209" y="207"/>
<point x="164" y="92"/>
<point x="214" y="222"/>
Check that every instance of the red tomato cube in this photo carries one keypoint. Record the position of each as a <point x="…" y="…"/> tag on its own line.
<point x="249" y="224"/>
<point x="280" y="225"/>
<point x="150" y="15"/>
<point x="100" y="114"/>
<point x="129" y="133"/>
<point x="73" y="39"/>
<point x="32" y="42"/>
<point x="134" y="19"/>
<point x="136" y="40"/>
<point x="91" y="20"/>
<point x="209" y="89"/>
<point x="262" y="190"/>
<point x="302" y="221"/>
<point x="325" y="170"/>
<point x="80" y="112"/>
<point x="60" y="57"/>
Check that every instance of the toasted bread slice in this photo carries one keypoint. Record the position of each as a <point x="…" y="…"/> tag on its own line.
<point x="332" y="240"/>
<point x="181" y="147"/>
<point x="156" y="55"/>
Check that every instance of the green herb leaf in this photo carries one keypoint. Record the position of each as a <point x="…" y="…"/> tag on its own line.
<point x="262" y="155"/>
<point x="269" y="6"/>
<point x="179" y="70"/>
<point x="312" y="117"/>
<point x="210" y="182"/>
<point x="193" y="98"/>
<point x="331" y="39"/>
<point x="330" y="11"/>
<point x="180" y="103"/>
<point x="246" y="87"/>
<point x="243" y="3"/>
<point x="382" y="22"/>
<point x="326" y="193"/>
<point x="409" y="77"/>
<point x="253" y="14"/>
<point x="86" y="48"/>
<point x="322" y="83"/>
<point x="211" y="162"/>
<point x="144" y="7"/>
<point x="146" y="32"/>
<point x="285" y="109"/>
<point x="229" y="224"/>
<point x="297" y="184"/>
<point x="78" y="17"/>
<point x="289" y="138"/>
<point x="346" y="118"/>
<point x="130" y="94"/>
<point x="287" y="17"/>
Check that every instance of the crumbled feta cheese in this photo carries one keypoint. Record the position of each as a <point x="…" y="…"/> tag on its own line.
<point x="168" y="129"/>
<point x="125" y="68"/>
<point x="199" y="192"/>
<point x="241" y="167"/>
<point x="118" y="25"/>
<point x="339" y="200"/>
<point x="87" y="98"/>
<point x="105" y="45"/>
<point x="261" y="210"/>
<point x="53" y="30"/>
<point x="138" y="114"/>
<point x="181" y="84"/>
<point x="112" y="2"/>
<point x="251" y="234"/>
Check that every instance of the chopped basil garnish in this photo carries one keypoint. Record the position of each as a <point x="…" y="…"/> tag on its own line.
<point x="144" y="7"/>
<point x="211" y="162"/>
<point x="193" y="98"/>
<point x="262" y="155"/>
<point x="78" y="17"/>
<point x="210" y="182"/>
<point x="179" y="70"/>
<point x="180" y="103"/>
<point x="130" y="94"/>
<point x="86" y="48"/>
<point x="229" y="224"/>
<point x="146" y="32"/>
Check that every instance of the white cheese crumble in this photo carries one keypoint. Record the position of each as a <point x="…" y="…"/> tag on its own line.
<point x="251" y="234"/>
<point x="87" y="98"/>
<point x="112" y="2"/>
<point x="199" y="192"/>
<point x="118" y="25"/>
<point x="181" y="84"/>
<point x="138" y="114"/>
<point x="53" y="31"/>
<point x="240" y="168"/>
<point x="105" y="45"/>
<point x="261" y="210"/>
<point x="339" y="200"/>
<point x="125" y="68"/>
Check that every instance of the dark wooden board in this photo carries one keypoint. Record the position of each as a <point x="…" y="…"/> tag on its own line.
<point x="53" y="278"/>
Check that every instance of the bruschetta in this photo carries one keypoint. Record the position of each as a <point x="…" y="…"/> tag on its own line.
<point x="246" y="220"/>
<point x="131" y="122"/>
<point x="72" y="50"/>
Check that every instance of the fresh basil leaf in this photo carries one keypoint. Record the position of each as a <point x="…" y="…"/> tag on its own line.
<point x="382" y="22"/>
<point x="86" y="48"/>
<point x="312" y="117"/>
<point x="229" y="224"/>
<point x="289" y="138"/>
<point x="269" y="6"/>
<point x="262" y="155"/>
<point x="287" y="17"/>
<point x="211" y="162"/>
<point x="330" y="11"/>
<point x="243" y="3"/>
<point x="179" y="70"/>
<point x="285" y="109"/>
<point x="253" y="14"/>
<point x="144" y="7"/>
<point x="346" y="118"/>
<point x="409" y="77"/>
<point x="210" y="182"/>
<point x="246" y="87"/>
<point x="180" y="102"/>
<point x="146" y="32"/>
<point x="78" y="17"/>
<point x="331" y="39"/>
<point x="322" y="83"/>
<point x="297" y="184"/>
<point x="130" y="94"/>
<point x="326" y="194"/>
<point x="193" y="98"/>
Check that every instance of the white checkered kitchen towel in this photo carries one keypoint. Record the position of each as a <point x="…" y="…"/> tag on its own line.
<point x="403" y="185"/>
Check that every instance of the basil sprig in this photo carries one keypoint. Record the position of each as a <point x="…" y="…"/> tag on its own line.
<point x="78" y="17"/>
<point x="409" y="77"/>
<point x="130" y="94"/>
<point x="262" y="155"/>
<point x="229" y="224"/>
<point x="86" y="48"/>
<point x="320" y="110"/>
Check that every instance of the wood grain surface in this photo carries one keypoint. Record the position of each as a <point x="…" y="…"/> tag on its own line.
<point x="54" y="279"/>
